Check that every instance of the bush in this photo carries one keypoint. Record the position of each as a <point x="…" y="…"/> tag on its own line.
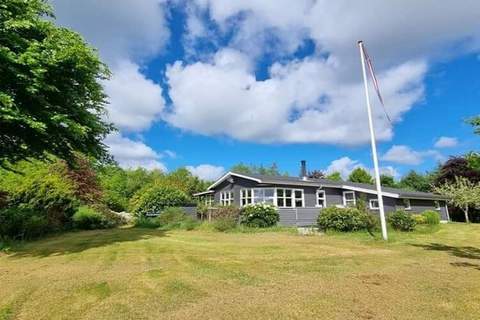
<point x="400" y="220"/>
<point x="22" y="224"/>
<point x="224" y="224"/>
<point x="260" y="215"/>
<point x="172" y="218"/>
<point x="419" y="219"/>
<point x="146" y="222"/>
<point x="431" y="217"/>
<point x="345" y="220"/>
<point x="225" y="212"/>
<point x="152" y="200"/>
<point x="90" y="218"/>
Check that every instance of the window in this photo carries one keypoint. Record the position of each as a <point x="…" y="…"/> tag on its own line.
<point x="266" y="195"/>
<point x="406" y="204"/>
<point x="374" y="204"/>
<point x="208" y="200"/>
<point x="226" y="198"/>
<point x="290" y="198"/>
<point x="349" y="198"/>
<point x="246" y="197"/>
<point x="437" y="205"/>
<point x="321" y="200"/>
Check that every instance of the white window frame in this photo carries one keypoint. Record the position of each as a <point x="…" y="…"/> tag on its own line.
<point x="293" y="197"/>
<point x="246" y="197"/>
<point x="323" y="197"/>
<point x="209" y="200"/>
<point x="226" y="198"/>
<point x="345" y="204"/>
<point x="438" y="206"/>
<point x="409" y="206"/>
<point x="371" y="201"/>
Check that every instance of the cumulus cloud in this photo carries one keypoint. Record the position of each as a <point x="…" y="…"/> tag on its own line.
<point x="133" y="154"/>
<point x="405" y="155"/>
<point x="446" y="142"/>
<point x="206" y="172"/>
<point x="302" y="101"/>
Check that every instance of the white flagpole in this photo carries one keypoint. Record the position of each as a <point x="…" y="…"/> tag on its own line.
<point x="374" y="146"/>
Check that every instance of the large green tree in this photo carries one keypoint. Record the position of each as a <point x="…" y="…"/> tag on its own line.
<point x="334" y="176"/>
<point x="475" y="122"/>
<point x="387" y="181"/>
<point x="271" y="170"/>
<point x="360" y="175"/>
<point x="416" y="182"/>
<point x="51" y="100"/>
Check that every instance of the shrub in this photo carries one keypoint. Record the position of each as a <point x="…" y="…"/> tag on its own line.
<point x="22" y="224"/>
<point x="171" y="218"/>
<point x="259" y="215"/>
<point x="225" y="212"/>
<point x="153" y="199"/>
<point x="400" y="220"/>
<point x="147" y="222"/>
<point x="96" y="217"/>
<point x="224" y="224"/>
<point x="189" y="223"/>
<point x="419" y="219"/>
<point x="431" y="217"/>
<point x="345" y="219"/>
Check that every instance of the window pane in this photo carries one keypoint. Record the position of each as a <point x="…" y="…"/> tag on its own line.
<point x="280" y="192"/>
<point x="288" y="192"/>
<point x="288" y="202"/>
<point x="321" y="202"/>
<point x="298" y="203"/>
<point x="269" y="192"/>
<point x="257" y="193"/>
<point x="298" y="194"/>
<point x="349" y="196"/>
<point x="280" y="202"/>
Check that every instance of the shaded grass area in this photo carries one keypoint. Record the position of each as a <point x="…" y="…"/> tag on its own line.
<point x="135" y="273"/>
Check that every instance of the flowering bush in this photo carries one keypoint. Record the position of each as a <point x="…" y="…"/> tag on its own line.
<point x="345" y="220"/>
<point x="260" y="215"/>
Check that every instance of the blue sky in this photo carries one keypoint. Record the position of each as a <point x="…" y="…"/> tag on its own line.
<point x="210" y="83"/>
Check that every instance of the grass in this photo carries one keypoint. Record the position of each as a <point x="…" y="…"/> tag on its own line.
<point x="135" y="273"/>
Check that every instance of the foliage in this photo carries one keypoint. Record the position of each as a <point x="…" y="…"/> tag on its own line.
<point x="260" y="215"/>
<point x="87" y="218"/>
<point x="360" y="175"/>
<point x="475" y="122"/>
<point x="155" y="198"/>
<point x="344" y="219"/>
<point x="402" y="221"/>
<point x="183" y="180"/>
<point x="462" y="193"/>
<point x="456" y="167"/>
<point x="84" y="179"/>
<point x="22" y="224"/>
<point x="172" y="218"/>
<point x="431" y="217"/>
<point x="416" y="182"/>
<point x="225" y="212"/>
<point x="316" y="174"/>
<point x="272" y="170"/>
<point x="419" y="219"/>
<point x="147" y="222"/>
<point x="473" y="159"/>
<point x="51" y="98"/>
<point x="224" y="224"/>
<point x="43" y="188"/>
<point x="334" y="176"/>
<point x="387" y="181"/>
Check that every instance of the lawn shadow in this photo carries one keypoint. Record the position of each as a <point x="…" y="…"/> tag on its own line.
<point x="467" y="252"/>
<point x="74" y="242"/>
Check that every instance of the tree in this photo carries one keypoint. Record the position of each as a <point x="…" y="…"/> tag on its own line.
<point x="360" y="175"/>
<point x="316" y="174"/>
<point x="475" y="122"/>
<point x="51" y="100"/>
<point x="473" y="159"/>
<point x="456" y="167"/>
<point x="416" y="182"/>
<point x="462" y="193"/>
<point x="387" y="181"/>
<point x="241" y="168"/>
<point x="334" y="176"/>
<point x="253" y="169"/>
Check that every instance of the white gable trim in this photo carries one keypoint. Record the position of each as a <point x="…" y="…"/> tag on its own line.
<point x="228" y="174"/>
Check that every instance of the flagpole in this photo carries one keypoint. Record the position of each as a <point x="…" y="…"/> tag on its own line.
<point x="374" y="146"/>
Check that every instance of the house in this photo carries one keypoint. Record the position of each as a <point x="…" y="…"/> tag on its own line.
<point x="300" y="199"/>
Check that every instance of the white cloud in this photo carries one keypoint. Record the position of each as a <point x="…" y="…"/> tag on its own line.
<point x="405" y="155"/>
<point x="206" y="172"/>
<point x="135" y="102"/>
<point x="169" y="153"/>
<point x="302" y="101"/>
<point x="133" y="154"/>
<point x="446" y="142"/>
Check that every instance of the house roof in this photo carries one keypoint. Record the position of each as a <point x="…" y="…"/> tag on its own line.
<point x="297" y="181"/>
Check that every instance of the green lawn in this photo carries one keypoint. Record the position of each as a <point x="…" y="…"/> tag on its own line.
<point x="148" y="274"/>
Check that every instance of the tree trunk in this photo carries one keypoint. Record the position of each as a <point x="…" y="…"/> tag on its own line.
<point x="466" y="214"/>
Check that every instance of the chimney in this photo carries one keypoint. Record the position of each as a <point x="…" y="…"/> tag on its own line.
<point x="303" y="169"/>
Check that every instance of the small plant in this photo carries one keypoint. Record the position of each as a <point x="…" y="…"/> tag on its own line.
<point x="171" y="218"/>
<point x="224" y="224"/>
<point x="400" y="220"/>
<point x="90" y="218"/>
<point x="225" y="212"/>
<point x="419" y="219"/>
<point x="259" y="215"/>
<point x="345" y="219"/>
<point x="431" y="217"/>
